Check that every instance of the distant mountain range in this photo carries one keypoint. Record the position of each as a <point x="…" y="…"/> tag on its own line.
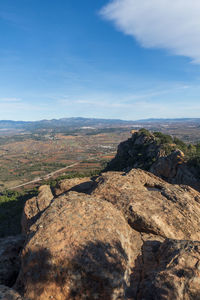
<point x="85" y="122"/>
<point x="64" y="122"/>
<point x="176" y="120"/>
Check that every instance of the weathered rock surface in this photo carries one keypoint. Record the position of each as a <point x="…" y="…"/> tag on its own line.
<point x="128" y="236"/>
<point x="173" y="169"/>
<point x="7" y="293"/>
<point x="10" y="247"/>
<point x="152" y="205"/>
<point x="174" y="272"/>
<point x="166" y="167"/>
<point x="81" y="185"/>
<point x="145" y="151"/>
<point x="80" y="248"/>
<point x="35" y="206"/>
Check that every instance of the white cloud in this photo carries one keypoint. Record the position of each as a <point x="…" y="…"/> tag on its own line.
<point x="170" y="24"/>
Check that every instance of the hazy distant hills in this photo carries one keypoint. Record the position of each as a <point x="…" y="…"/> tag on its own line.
<point x="71" y="124"/>
<point x="66" y="122"/>
<point x="84" y="122"/>
<point x="177" y="120"/>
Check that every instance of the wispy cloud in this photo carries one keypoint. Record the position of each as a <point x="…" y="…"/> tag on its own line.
<point x="172" y="25"/>
<point x="10" y="100"/>
<point x="118" y="99"/>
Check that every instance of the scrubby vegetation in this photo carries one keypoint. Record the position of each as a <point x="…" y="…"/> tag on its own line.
<point x="11" y="206"/>
<point x="192" y="152"/>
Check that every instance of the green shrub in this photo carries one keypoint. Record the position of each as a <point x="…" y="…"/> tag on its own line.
<point x="181" y="145"/>
<point x="11" y="207"/>
<point x="163" y="138"/>
<point x="144" y="131"/>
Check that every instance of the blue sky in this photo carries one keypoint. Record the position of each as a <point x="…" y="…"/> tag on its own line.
<point x="127" y="59"/>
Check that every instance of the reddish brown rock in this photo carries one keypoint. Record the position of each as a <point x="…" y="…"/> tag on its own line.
<point x="10" y="248"/>
<point x="7" y="293"/>
<point x="174" y="169"/>
<point x="167" y="166"/>
<point x="152" y="205"/>
<point x="174" y="273"/>
<point x="81" y="185"/>
<point x="35" y="206"/>
<point x="80" y="248"/>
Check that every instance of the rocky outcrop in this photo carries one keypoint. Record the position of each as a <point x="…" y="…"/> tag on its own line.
<point x="152" y="205"/>
<point x="128" y="236"/>
<point x="35" y="206"/>
<point x="81" y="185"/>
<point x="80" y="248"/>
<point x="9" y="294"/>
<point x="155" y="153"/>
<point x="139" y="151"/>
<point x="10" y="248"/>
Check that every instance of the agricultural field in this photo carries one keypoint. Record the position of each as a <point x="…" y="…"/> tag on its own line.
<point x="44" y="154"/>
<point x="26" y="158"/>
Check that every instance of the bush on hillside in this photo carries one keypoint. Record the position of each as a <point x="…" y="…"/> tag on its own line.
<point x="163" y="138"/>
<point x="11" y="207"/>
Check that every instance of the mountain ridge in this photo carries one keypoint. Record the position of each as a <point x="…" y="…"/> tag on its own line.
<point x="80" y="121"/>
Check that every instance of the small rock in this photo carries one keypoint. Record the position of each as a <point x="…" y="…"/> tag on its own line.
<point x="35" y="206"/>
<point x="81" y="185"/>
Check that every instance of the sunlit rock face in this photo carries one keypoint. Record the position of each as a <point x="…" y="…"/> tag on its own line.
<point x="152" y="205"/>
<point x="80" y="248"/>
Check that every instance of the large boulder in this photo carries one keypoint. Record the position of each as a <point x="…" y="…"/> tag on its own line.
<point x="79" y="248"/>
<point x="152" y="205"/>
<point x="10" y="248"/>
<point x="7" y="293"/>
<point x="35" y="206"/>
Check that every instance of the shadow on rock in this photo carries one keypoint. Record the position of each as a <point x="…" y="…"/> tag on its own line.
<point x="96" y="271"/>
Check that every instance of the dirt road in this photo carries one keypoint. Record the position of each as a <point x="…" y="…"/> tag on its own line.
<point x="44" y="177"/>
